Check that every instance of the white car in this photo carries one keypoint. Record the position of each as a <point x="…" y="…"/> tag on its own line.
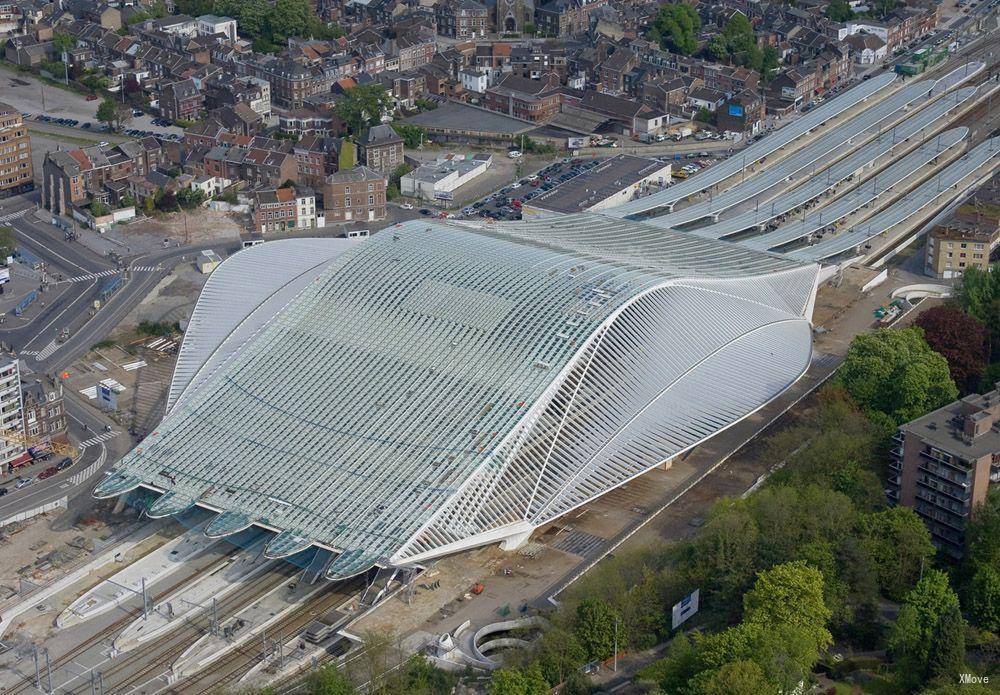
<point x="532" y="177"/>
<point x="406" y="206"/>
<point x="514" y="154"/>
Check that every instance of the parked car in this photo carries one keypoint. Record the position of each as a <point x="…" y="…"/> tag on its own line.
<point x="406" y="206"/>
<point x="48" y="472"/>
<point x="91" y="97"/>
<point x="3" y="491"/>
<point x="65" y="463"/>
<point x="425" y="211"/>
<point x="514" y="154"/>
<point x="23" y="482"/>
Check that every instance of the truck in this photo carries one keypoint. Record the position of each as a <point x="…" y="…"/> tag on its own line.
<point x="683" y="133"/>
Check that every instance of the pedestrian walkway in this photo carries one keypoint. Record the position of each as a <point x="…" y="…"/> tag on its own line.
<point x="98" y="439"/>
<point x="47" y="351"/>
<point x="93" y="276"/>
<point x="146" y="268"/>
<point x="11" y="216"/>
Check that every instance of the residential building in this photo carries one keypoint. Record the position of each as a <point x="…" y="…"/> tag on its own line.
<point x="356" y="194"/>
<point x="381" y="149"/>
<point x="866" y="48"/>
<point x="210" y="25"/>
<point x="16" y="174"/>
<point x="742" y="113"/>
<point x="461" y="19"/>
<point x="944" y="463"/>
<point x="316" y="158"/>
<point x="73" y="177"/>
<point x="44" y="412"/>
<point x="957" y="245"/>
<point x="529" y="100"/>
<point x="11" y="414"/>
<point x="183" y="100"/>
<point x="565" y="17"/>
<point x="284" y="209"/>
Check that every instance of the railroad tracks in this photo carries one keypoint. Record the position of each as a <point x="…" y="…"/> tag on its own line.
<point x="144" y="663"/>
<point x="227" y="670"/>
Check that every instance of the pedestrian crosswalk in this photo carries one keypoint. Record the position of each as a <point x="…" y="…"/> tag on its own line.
<point x="113" y="271"/>
<point x="11" y="216"/>
<point x="93" y="276"/>
<point x="47" y="351"/>
<point x="98" y="439"/>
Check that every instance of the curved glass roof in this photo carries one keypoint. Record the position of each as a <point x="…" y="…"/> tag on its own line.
<point x="369" y="398"/>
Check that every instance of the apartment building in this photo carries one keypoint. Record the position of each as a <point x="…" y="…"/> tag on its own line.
<point x="943" y="464"/>
<point x="15" y="153"/>
<point x="356" y="194"/>
<point x="381" y="149"/>
<point x="44" y="412"/>
<point x="955" y="247"/>
<point x="284" y="209"/>
<point x="462" y="19"/>
<point x="11" y="414"/>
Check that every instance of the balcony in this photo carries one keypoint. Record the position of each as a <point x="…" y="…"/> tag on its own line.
<point x="939" y="518"/>
<point x="943" y="489"/>
<point x="895" y="465"/>
<point x="932" y="469"/>
<point x="899" y="437"/>
<point x="951" y="462"/>
<point x="941" y="506"/>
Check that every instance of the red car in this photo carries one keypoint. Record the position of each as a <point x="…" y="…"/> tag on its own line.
<point x="48" y="473"/>
<point x="91" y="97"/>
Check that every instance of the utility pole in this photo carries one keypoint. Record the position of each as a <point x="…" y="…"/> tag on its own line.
<point x="145" y="603"/>
<point x="48" y="673"/>
<point x="38" y="674"/>
<point x="215" y="617"/>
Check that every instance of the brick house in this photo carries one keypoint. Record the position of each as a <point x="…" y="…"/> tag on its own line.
<point x="356" y="194"/>
<point x="381" y="149"/>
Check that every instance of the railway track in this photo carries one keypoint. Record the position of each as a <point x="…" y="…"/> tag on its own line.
<point x="111" y="630"/>
<point x="228" y="669"/>
<point x="146" y="662"/>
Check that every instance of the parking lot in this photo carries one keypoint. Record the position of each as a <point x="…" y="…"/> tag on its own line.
<point x="506" y="203"/>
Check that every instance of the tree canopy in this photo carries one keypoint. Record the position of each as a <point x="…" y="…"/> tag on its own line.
<point x="676" y="28"/>
<point x="895" y="372"/>
<point x="839" y="11"/>
<point x="916" y="637"/>
<point x="362" y="107"/>
<point x="268" y="25"/>
<point x="960" y="339"/>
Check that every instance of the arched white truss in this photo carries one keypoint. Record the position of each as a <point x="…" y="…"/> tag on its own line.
<point x="439" y="387"/>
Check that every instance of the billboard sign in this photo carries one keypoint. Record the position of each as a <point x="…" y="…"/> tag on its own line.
<point x="107" y="397"/>
<point x="685" y="608"/>
<point x="736" y="110"/>
<point x="4" y="275"/>
<point x="575" y="143"/>
<point x="444" y="195"/>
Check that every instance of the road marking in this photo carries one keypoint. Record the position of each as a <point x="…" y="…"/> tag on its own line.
<point x="91" y="276"/>
<point x="98" y="439"/>
<point x="147" y="268"/>
<point x="11" y="216"/>
<point x="46" y="351"/>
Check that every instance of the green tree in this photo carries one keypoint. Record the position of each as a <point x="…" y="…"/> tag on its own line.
<point x="898" y="546"/>
<point x="413" y="135"/>
<point x="62" y="42"/>
<point x="895" y="372"/>
<point x="743" y="677"/>
<point x="984" y="598"/>
<point x="508" y="681"/>
<point x="329" y="680"/>
<point x="107" y="112"/>
<point x="703" y="115"/>
<point x="839" y="11"/>
<point x="768" y="62"/>
<point x="947" y="648"/>
<point x="790" y="594"/>
<point x="559" y="654"/>
<point x="420" y="677"/>
<point x="676" y="27"/>
<point x="99" y="209"/>
<point x="911" y="634"/>
<point x="595" y="628"/>
<point x="979" y="296"/>
<point x="363" y="106"/>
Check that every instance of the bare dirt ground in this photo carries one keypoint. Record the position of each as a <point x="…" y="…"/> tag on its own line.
<point x="201" y="226"/>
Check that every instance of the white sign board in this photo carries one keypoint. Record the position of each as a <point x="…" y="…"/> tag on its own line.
<point x="108" y="397"/>
<point x="685" y="608"/>
<point x="4" y="275"/>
